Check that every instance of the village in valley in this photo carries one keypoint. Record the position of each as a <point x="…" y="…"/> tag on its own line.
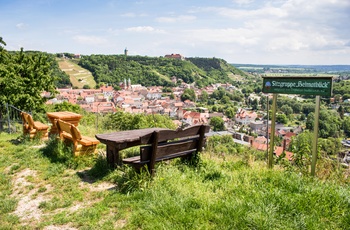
<point x="135" y="98"/>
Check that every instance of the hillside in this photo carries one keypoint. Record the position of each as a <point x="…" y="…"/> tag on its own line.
<point x="43" y="187"/>
<point x="78" y="76"/>
<point x="150" y="71"/>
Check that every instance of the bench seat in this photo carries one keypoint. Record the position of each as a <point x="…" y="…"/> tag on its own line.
<point x="169" y="144"/>
<point x="34" y="128"/>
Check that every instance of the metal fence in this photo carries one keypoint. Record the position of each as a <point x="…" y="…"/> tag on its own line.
<point x="10" y="118"/>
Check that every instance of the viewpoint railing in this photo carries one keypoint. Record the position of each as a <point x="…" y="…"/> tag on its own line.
<point x="10" y="118"/>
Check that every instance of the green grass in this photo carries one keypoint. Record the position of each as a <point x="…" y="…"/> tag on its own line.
<point x="224" y="191"/>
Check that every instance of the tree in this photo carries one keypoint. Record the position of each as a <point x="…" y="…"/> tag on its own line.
<point x="231" y="112"/>
<point x="329" y="123"/>
<point x="188" y="94"/>
<point x="23" y="77"/>
<point x="225" y="100"/>
<point x="301" y="148"/>
<point x="254" y="104"/>
<point x="341" y="112"/>
<point x="286" y="109"/>
<point x="204" y="96"/>
<point x="217" y="123"/>
<point x="346" y="126"/>
<point x="308" y="108"/>
<point x="66" y="106"/>
<point x="329" y="146"/>
<point x="282" y="118"/>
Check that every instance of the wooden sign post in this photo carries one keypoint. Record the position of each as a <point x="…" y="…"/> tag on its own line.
<point x="297" y="85"/>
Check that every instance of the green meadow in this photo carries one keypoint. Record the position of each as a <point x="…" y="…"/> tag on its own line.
<point x="43" y="187"/>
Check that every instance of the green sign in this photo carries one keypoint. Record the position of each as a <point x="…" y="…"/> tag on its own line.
<point x="298" y="85"/>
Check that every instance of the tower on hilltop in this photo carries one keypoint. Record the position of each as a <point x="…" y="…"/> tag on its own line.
<point x="126" y="52"/>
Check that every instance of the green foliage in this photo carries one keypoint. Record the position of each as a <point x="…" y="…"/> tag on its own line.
<point x="329" y="123"/>
<point x="188" y="94"/>
<point x="62" y="79"/>
<point x="329" y="146"/>
<point x="204" y="97"/>
<point x="129" y="180"/>
<point x="23" y="77"/>
<point x="150" y="71"/>
<point x="287" y="110"/>
<point x="281" y="118"/>
<point x="127" y="121"/>
<point x="230" y="112"/>
<point x="341" y="87"/>
<point x="66" y="106"/>
<point x="62" y="154"/>
<point x="300" y="146"/>
<point x="346" y="126"/>
<point x="223" y="145"/>
<point x="217" y="123"/>
<point x="225" y="96"/>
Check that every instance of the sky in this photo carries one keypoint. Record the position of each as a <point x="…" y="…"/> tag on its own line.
<point x="305" y="32"/>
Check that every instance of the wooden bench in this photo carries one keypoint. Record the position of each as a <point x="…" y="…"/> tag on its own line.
<point x="169" y="144"/>
<point x="69" y="133"/>
<point x="34" y="128"/>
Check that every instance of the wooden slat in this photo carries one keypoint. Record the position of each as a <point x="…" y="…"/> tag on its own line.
<point x="191" y="131"/>
<point x="131" y="160"/>
<point x="169" y="148"/>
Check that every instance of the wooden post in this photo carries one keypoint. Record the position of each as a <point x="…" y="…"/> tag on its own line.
<point x="273" y="125"/>
<point x="314" y="141"/>
<point x="267" y="127"/>
<point x="154" y="153"/>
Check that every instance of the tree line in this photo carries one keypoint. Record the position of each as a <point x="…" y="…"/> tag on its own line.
<point x="158" y="71"/>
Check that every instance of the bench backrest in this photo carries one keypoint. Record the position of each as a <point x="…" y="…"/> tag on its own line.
<point x="27" y="120"/>
<point x="63" y="126"/>
<point x="168" y="144"/>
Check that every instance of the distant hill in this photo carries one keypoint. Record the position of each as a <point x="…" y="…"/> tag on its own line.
<point x="297" y="68"/>
<point x="148" y="71"/>
<point x="79" y="77"/>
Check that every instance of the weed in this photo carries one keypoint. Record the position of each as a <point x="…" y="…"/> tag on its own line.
<point x="128" y="180"/>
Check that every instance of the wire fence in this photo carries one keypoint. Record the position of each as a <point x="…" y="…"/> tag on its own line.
<point x="10" y="118"/>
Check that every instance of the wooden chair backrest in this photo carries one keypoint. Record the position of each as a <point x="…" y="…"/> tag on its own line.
<point x="75" y="132"/>
<point x="28" y="120"/>
<point x="63" y="126"/>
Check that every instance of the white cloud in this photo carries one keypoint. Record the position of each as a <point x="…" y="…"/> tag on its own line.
<point x="243" y="2"/>
<point x="89" y="40"/>
<point x="20" y="25"/>
<point x="140" y="29"/>
<point x="128" y="15"/>
<point x="291" y="25"/>
<point x="181" y="18"/>
<point x="238" y="36"/>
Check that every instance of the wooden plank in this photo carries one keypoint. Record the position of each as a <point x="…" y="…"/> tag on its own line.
<point x="154" y="153"/>
<point x="188" y="132"/>
<point x="131" y="160"/>
<point x="169" y="148"/>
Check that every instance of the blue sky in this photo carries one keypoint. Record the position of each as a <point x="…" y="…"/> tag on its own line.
<point x="239" y="31"/>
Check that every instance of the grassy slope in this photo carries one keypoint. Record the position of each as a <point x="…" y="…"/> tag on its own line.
<point x="42" y="187"/>
<point x="78" y="75"/>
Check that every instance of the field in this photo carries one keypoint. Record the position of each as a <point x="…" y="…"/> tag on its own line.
<point x="43" y="187"/>
<point x="78" y="75"/>
<point x="299" y="75"/>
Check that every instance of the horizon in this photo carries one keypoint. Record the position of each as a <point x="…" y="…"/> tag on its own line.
<point x="284" y="32"/>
